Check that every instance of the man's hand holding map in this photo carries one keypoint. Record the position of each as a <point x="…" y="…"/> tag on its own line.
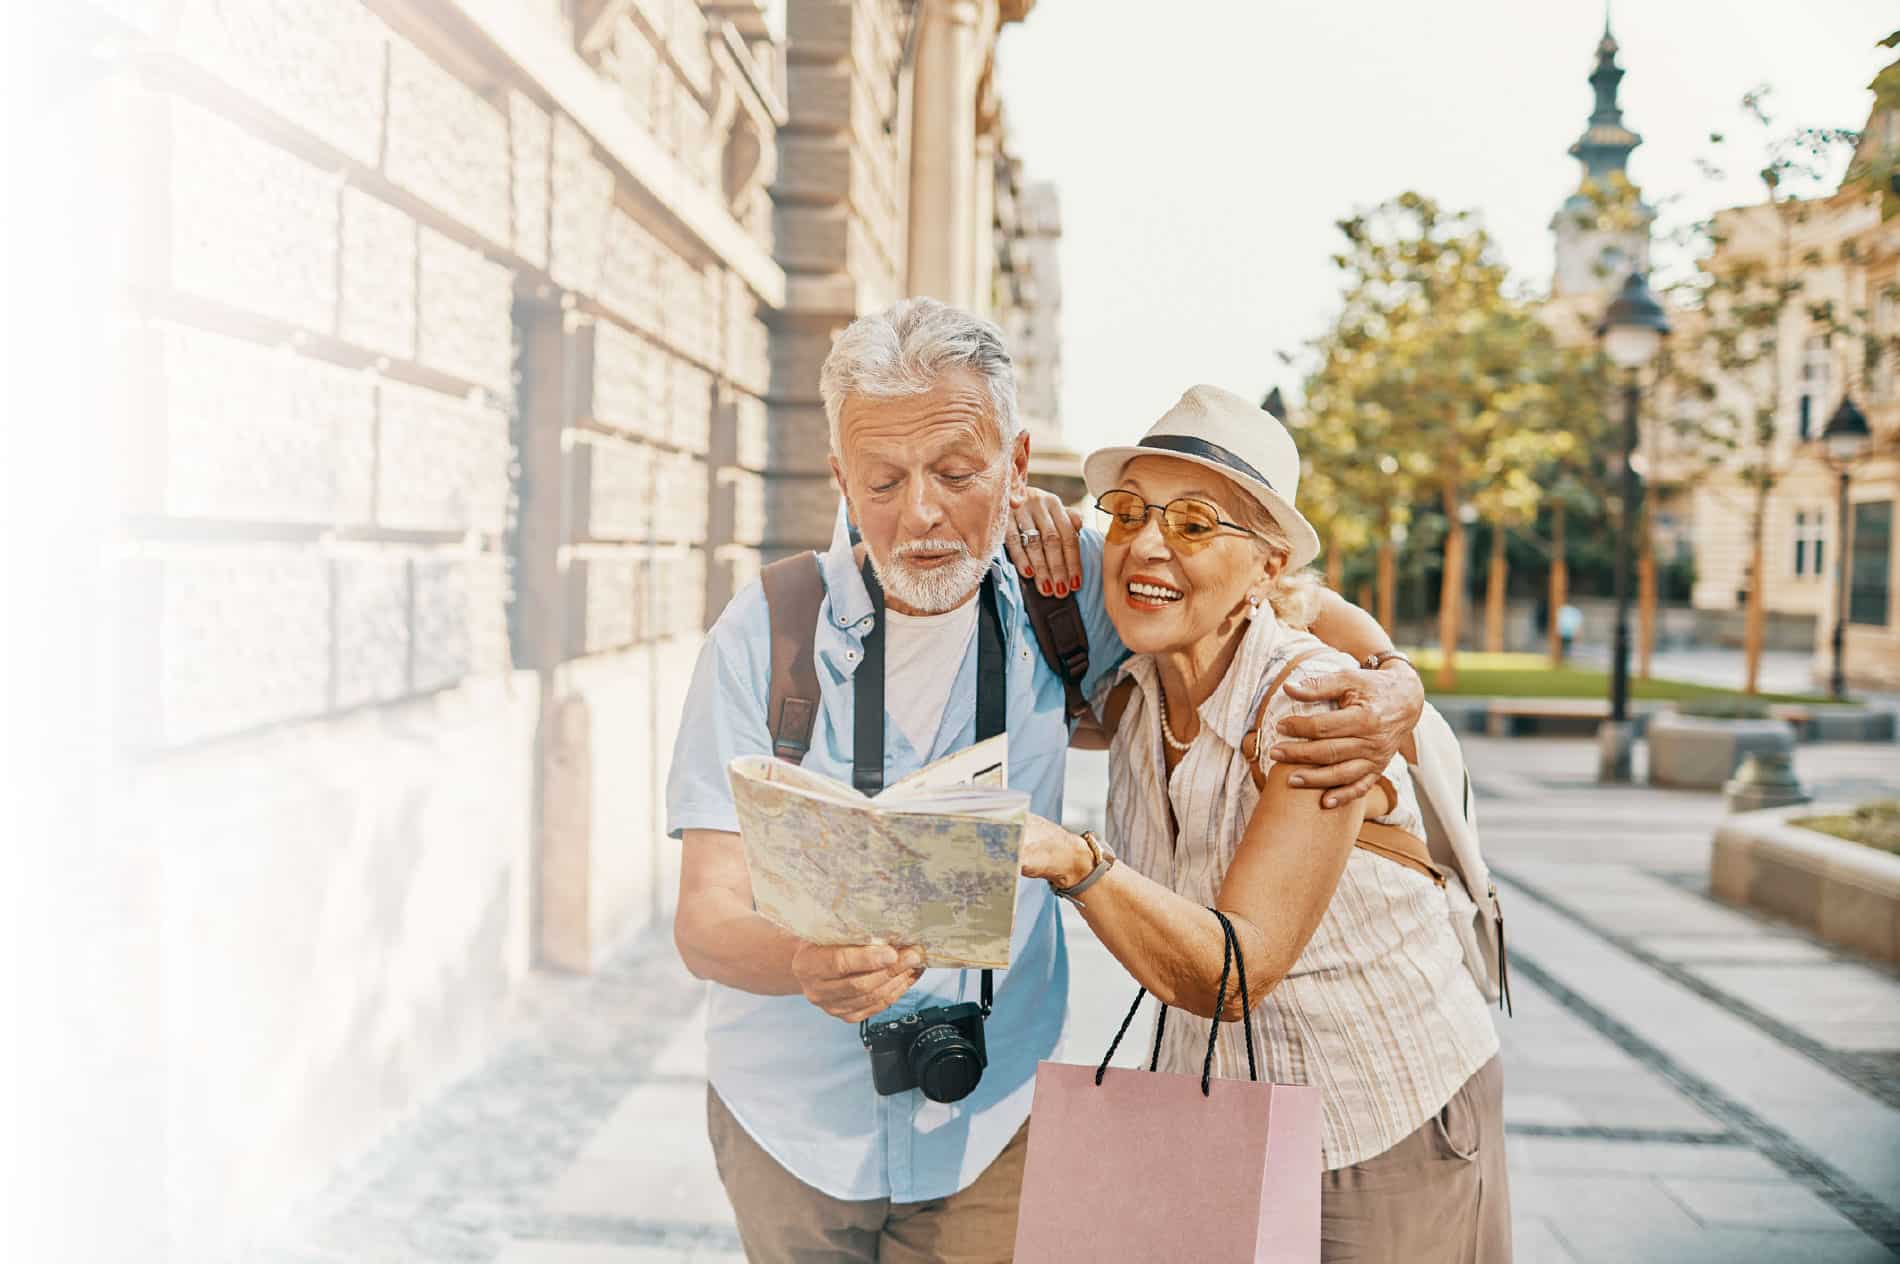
<point x="930" y="862"/>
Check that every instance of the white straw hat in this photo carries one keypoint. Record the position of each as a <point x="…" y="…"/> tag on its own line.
<point x="1219" y="430"/>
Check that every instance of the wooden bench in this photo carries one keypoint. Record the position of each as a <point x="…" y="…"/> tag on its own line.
<point x="1511" y="717"/>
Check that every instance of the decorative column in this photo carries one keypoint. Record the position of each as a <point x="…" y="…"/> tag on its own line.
<point x="943" y="149"/>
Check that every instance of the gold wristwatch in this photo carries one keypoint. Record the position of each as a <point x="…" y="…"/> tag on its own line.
<point x="1105" y="859"/>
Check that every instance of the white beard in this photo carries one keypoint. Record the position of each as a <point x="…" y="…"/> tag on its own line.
<point x="946" y="586"/>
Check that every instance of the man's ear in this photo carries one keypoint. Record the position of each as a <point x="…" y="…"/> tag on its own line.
<point x="844" y="489"/>
<point x="1019" y="468"/>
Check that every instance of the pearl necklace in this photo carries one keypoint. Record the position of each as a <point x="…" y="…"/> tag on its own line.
<point x="1167" y="733"/>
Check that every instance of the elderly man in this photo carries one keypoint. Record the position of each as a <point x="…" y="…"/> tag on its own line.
<point x="932" y="462"/>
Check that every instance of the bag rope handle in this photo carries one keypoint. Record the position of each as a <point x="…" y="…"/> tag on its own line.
<point x="1230" y="957"/>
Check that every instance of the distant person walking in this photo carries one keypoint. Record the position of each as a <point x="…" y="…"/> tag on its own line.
<point x="1569" y="620"/>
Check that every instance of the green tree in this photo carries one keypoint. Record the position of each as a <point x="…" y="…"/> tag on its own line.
<point x="1443" y="369"/>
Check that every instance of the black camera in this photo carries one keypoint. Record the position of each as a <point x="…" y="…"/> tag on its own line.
<point x="938" y="1051"/>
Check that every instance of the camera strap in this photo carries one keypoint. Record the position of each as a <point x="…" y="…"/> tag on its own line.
<point x="867" y="689"/>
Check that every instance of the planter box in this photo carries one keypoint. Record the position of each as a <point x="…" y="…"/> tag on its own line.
<point x="1837" y="724"/>
<point x="1844" y="892"/>
<point x="1694" y="753"/>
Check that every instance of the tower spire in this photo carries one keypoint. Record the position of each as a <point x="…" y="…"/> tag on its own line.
<point x="1604" y="148"/>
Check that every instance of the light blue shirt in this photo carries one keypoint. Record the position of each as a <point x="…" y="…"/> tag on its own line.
<point x="798" y="1079"/>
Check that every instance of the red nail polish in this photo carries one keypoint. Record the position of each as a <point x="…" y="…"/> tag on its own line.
<point x="1029" y="572"/>
<point x="1044" y="585"/>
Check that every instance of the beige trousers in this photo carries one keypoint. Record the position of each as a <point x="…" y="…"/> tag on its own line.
<point x="782" y="1220"/>
<point x="1440" y="1196"/>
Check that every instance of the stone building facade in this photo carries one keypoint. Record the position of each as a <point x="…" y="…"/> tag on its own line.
<point x="470" y="366"/>
<point x="1844" y="256"/>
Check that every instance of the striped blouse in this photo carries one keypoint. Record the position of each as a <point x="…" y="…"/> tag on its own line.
<point x="1378" y="1012"/>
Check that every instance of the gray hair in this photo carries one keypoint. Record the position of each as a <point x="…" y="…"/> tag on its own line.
<point x="1294" y="595"/>
<point x="906" y="349"/>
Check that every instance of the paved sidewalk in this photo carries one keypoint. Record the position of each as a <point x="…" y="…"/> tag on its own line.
<point x="1685" y="1081"/>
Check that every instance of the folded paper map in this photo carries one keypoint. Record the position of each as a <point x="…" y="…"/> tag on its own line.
<point x="931" y="862"/>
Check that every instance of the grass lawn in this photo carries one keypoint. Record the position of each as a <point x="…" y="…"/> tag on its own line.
<point x="1875" y="824"/>
<point x="1532" y="676"/>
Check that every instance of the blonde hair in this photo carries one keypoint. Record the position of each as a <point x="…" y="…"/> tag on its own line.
<point x="1293" y="594"/>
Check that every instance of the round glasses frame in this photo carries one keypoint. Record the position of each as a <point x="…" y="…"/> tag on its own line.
<point x="1119" y="506"/>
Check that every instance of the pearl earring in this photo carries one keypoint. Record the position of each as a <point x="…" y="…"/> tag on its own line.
<point x="1253" y="605"/>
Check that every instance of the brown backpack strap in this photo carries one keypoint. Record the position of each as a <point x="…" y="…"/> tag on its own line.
<point x="1395" y="844"/>
<point x="793" y="592"/>
<point x="1250" y="744"/>
<point x="1116" y="705"/>
<point x="1388" y="841"/>
<point x="1064" y="641"/>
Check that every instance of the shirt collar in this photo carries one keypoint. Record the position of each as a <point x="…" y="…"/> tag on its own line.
<point x="848" y="602"/>
<point x="1231" y="710"/>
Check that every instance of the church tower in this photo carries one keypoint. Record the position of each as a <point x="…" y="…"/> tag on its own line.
<point x="1602" y="229"/>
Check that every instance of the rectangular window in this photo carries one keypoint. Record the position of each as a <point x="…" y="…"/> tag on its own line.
<point x="1870" y="563"/>
<point x="1806" y="422"/>
<point x="1809" y="525"/>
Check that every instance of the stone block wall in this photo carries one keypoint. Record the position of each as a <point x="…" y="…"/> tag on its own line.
<point x="446" y="370"/>
<point x="842" y="217"/>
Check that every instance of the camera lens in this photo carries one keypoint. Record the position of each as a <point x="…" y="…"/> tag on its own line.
<point x="944" y="1063"/>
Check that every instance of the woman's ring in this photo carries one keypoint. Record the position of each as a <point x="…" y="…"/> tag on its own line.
<point x="1029" y="535"/>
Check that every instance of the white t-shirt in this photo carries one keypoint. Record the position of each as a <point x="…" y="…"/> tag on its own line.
<point x="922" y="655"/>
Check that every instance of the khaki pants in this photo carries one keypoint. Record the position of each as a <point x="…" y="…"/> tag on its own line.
<point x="1440" y="1196"/>
<point x="782" y="1220"/>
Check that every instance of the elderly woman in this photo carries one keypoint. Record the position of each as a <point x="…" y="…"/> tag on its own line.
<point x="1359" y="985"/>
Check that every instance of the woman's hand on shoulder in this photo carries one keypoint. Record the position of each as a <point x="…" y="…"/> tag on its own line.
<point x="1051" y="554"/>
<point x="1346" y="749"/>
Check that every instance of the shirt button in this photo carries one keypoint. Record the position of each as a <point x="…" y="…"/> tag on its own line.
<point x="850" y="656"/>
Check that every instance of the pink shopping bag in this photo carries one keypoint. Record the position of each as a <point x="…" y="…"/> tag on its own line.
<point x="1146" y="1166"/>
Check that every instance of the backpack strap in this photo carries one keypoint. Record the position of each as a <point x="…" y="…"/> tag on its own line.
<point x="1116" y="705"/>
<point x="1064" y="641"/>
<point x="1250" y="744"/>
<point x="794" y="589"/>
<point x="1388" y="841"/>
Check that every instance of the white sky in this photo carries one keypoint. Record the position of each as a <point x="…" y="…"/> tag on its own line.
<point x="1203" y="159"/>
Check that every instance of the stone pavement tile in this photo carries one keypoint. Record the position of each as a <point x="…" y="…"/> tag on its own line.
<point x="1623" y="1097"/>
<point x="660" y="1187"/>
<point x="1552" y="1158"/>
<point x="1533" y="1241"/>
<point x="1610" y="1241"/>
<point x="1695" y="949"/>
<point x="530" y="1252"/>
<point x="1819" y="1111"/>
<point x="1843" y="1004"/>
<point x="1580" y="1198"/>
<point x="665" y="1116"/>
<point x="1544" y="1109"/>
<point x="685" y="1051"/>
<point x="1779" y="1205"/>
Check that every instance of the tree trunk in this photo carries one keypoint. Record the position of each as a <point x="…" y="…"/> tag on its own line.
<point x="1451" y="595"/>
<point x="1559" y="581"/>
<point x="1388" y="581"/>
<point x="1495" y="583"/>
<point x="1755" y="623"/>
<point x="1335" y="568"/>
<point x="1646" y="600"/>
<point x="1364" y="601"/>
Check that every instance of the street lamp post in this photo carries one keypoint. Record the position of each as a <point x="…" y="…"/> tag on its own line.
<point x="1631" y="333"/>
<point x="1843" y="440"/>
